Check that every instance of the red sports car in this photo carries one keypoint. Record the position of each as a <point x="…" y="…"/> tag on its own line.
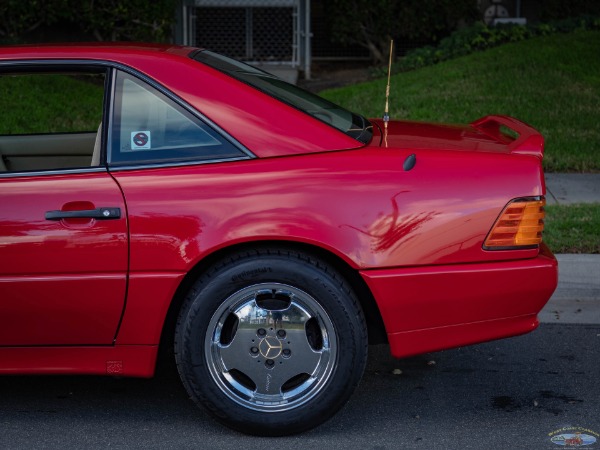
<point x="170" y="197"/>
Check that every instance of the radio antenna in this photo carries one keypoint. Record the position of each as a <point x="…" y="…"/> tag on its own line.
<point x="386" y="115"/>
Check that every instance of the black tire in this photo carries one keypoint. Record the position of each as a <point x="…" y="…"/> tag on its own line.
<point x="271" y="342"/>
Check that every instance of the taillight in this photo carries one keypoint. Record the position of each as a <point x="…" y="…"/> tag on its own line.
<point x="519" y="226"/>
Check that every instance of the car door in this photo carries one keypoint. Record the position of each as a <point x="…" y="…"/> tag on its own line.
<point x="63" y="225"/>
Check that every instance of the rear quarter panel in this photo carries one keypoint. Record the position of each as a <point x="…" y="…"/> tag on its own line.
<point x="358" y="204"/>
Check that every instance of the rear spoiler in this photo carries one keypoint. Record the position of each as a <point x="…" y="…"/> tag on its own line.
<point x="529" y="141"/>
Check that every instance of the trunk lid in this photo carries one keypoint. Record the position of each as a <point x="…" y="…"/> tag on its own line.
<point x="496" y="134"/>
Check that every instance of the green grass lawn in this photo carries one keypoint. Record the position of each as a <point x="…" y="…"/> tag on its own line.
<point x="551" y="82"/>
<point x="573" y="228"/>
<point x="42" y="103"/>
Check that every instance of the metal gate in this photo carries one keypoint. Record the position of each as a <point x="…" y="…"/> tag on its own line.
<point x="273" y="34"/>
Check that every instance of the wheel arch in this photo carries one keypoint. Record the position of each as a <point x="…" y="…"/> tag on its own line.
<point x="375" y="325"/>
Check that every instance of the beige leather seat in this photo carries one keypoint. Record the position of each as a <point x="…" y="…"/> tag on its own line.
<point x="97" y="147"/>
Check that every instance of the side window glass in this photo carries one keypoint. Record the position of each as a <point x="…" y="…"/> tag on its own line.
<point x="49" y="120"/>
<point x="150" y="127"/>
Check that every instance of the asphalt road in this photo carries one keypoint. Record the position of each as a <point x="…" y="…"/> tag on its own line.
<point x="505" y="394"/>
<point x="577" y="298"/>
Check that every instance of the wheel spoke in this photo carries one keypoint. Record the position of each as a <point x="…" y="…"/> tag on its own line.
<point x="302" y="360"/>
<point x="237" y="355"/>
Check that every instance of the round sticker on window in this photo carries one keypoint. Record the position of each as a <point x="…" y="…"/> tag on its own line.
<point x="140" y="140"/>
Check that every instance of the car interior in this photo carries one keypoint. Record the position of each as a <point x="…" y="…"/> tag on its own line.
<point x="49" y="151"/>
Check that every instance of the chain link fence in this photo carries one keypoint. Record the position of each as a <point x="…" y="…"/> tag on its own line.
<point x="258" y="34"/>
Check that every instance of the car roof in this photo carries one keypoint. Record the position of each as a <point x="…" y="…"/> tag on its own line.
<point x="263" y="124"/>
<point x="69" y="49"/>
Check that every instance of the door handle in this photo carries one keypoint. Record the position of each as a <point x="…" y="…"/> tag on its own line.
<point x="98" y="213"/>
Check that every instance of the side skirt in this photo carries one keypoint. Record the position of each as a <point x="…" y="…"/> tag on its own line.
<point x="119" y="360"/>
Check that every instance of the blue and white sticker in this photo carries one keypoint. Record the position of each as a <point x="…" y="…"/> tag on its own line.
<point x="141" y="140"/>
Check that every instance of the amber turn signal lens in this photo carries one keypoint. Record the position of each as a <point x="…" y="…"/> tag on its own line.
<point x="520" y="225"/>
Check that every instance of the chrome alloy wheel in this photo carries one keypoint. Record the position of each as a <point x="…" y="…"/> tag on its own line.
<point x="270" y="347"/>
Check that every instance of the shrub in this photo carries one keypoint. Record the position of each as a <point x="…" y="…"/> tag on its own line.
<point x="481" y="37"/>
<point x="372" y="23"/>
<point x="107" y="20"/>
